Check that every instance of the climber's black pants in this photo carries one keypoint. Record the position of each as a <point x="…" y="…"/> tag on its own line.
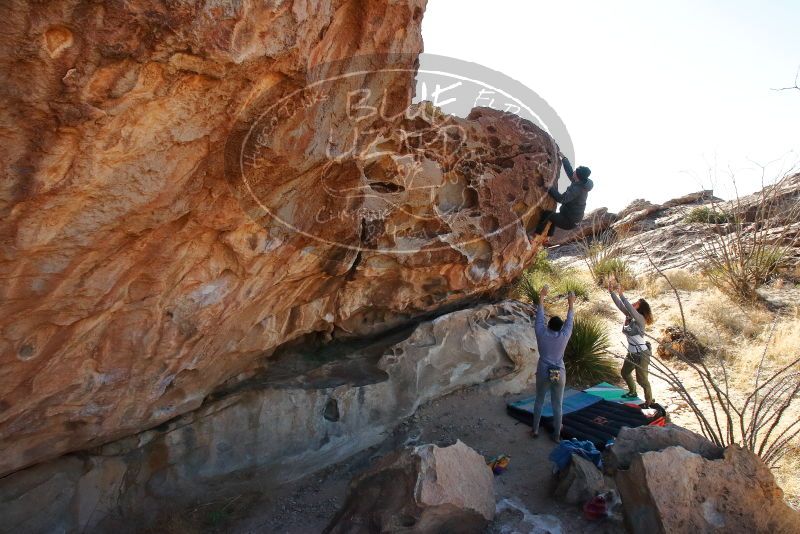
<point x="559" y="220"/>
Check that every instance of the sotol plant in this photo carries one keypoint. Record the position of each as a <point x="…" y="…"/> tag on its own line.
<point x="586" y="359"/>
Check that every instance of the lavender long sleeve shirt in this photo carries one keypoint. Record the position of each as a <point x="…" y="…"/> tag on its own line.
<point x="551" y="344"/>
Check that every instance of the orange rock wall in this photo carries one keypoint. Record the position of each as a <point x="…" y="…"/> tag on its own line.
<point x="135" y="276"/>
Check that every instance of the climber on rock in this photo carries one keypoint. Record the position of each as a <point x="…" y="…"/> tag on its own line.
<point x="573" y="200"/>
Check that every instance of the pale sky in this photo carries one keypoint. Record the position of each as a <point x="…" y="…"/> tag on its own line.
<point x="653" y="94"/>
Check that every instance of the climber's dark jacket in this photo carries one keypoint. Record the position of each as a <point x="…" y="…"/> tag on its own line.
<point x="573" y="200"/>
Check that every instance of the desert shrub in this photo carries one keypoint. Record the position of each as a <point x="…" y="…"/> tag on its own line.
<point x="739" y="273"/>
<point x="570" y="282"/>
<point x="751" y="248"/>
<point x="541" y="263"/>
<point x="604" y="256"/>
<point x="614" y="269"/>
<point x="769" y="260"/>
<point x="707" y="215"/>
<point x="533" y="278"/>
<point x="586" y="358"/>
<point x="542" y="272"/>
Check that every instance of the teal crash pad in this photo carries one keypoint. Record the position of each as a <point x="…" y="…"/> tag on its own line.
<point x="612" y="393"/>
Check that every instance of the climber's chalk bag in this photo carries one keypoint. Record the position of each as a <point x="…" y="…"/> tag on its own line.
<point x="555" y="374"/>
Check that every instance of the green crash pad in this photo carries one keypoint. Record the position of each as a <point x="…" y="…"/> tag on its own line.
<point x="612" y="393"/>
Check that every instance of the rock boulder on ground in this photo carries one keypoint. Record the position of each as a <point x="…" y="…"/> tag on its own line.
<point x="678" y="491"/>
<point x="593" y="224"/>
<point x="698" y="197"/>
<point x="675" y="342"/>
<point x="672" y="243"/>
<point x="636" y="206"/>
<point x="427" y="489"/>
<point x="579" y="482"/>
<point x="631" y="442"/>
<point x="632" y="218"/>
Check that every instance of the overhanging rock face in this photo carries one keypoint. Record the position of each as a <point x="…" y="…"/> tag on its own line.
<point x="276" y="427"/>
<point x="139" y="275"/>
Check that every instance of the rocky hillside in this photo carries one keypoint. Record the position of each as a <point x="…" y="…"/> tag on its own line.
<point x="145" y="267"/>
<point x="673" y="238"/>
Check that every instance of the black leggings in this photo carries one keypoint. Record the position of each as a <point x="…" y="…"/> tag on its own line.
<point x="559" y="220"/>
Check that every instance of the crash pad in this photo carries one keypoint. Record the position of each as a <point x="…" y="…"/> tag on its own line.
<point x="573" y="401"/>
<point x="612" y="393"/>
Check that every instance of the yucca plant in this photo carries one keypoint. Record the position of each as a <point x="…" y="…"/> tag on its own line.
<point x="586" y="358"/>
<point x="528" y="289"/>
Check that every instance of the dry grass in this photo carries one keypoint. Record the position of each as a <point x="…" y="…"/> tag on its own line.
<point x="734" y="320"/>
<point x="786" y="475"/>
<point x="782" y="345"/>
<point x="786" y="340"/>
<point x="599" y="308"/>
<point x="653" y="285"/>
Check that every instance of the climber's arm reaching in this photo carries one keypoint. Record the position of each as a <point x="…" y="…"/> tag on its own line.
<point x="572" y="191"/>
<point x="567" y="166"/>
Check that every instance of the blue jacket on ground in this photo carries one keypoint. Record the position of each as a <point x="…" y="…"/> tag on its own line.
<point x="562" y="455"/>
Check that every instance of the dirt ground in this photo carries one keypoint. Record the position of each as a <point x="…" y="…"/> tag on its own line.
<point x="473" y="415"/>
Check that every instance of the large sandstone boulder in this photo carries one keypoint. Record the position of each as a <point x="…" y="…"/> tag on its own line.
<point x="698" y="197"/>
<point x="636" y="206"/>
<point x="678" y="491"/>
<point x="633" y="218"/>
<point x="307" y="410"/>
<point x="426" y="489"/>
<point x="156" y="248"/>
<point x="631" y="442"/>
<point x="593" y="224"/>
